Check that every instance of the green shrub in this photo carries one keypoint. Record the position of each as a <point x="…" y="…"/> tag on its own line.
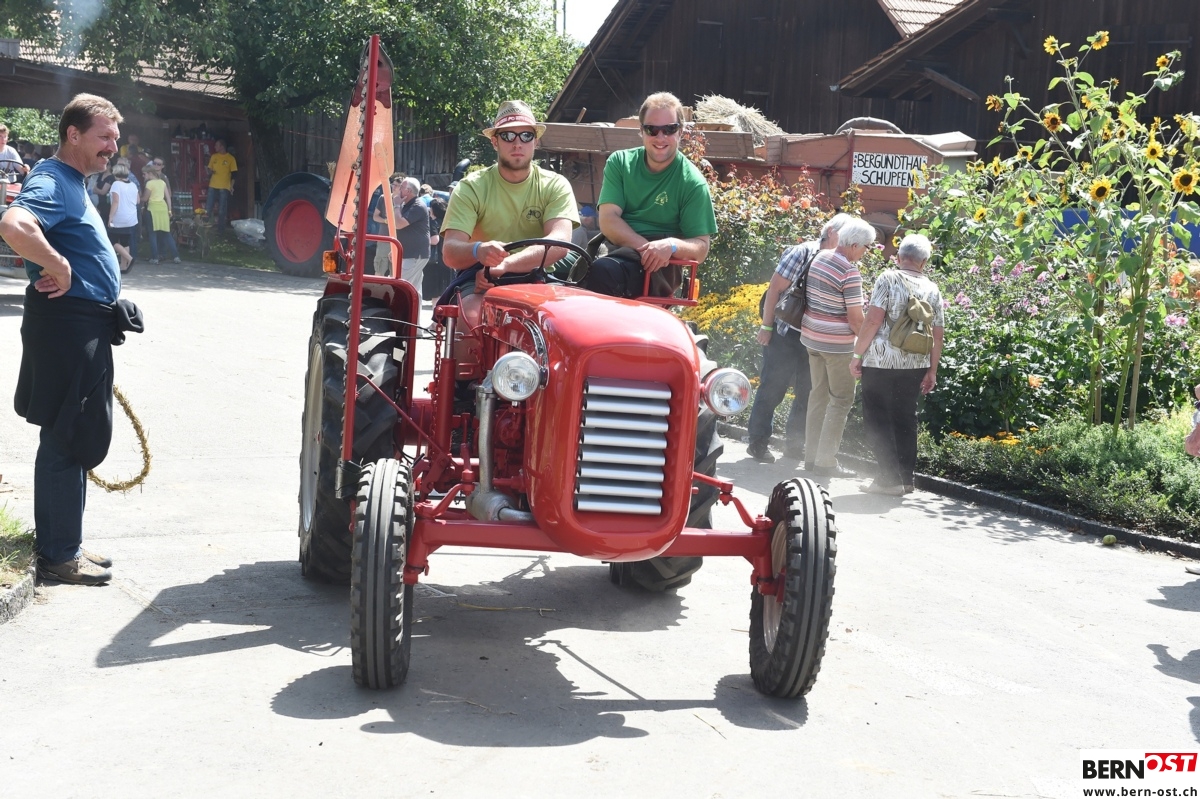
<point x="1138" y="478"/>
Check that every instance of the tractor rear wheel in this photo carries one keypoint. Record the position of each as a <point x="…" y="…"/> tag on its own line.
<point x="662" y="574"/>
<point x="297" y="234"/>
<point x="324" y="518"/>
<point x="380" y="600"/>
<point x="788" y="631"/>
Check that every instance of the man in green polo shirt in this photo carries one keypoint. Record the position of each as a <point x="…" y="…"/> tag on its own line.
<point x="654" y="206"/>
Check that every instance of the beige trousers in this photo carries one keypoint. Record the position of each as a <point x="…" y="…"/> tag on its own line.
<point x="828" y="406"/>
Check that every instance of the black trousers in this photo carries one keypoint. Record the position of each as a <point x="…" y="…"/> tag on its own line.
<point x="784" y="366"/>
<point x="890" y="399"/>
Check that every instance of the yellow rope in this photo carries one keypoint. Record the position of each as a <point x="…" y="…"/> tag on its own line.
<point x="141" y="437"/>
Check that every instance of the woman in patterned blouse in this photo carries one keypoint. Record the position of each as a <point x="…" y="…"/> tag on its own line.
<point x="893" y="380"/>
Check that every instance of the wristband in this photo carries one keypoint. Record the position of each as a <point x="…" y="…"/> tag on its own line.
<point x="767" y="328"/>
<point x="475" y="251"/>
<point x="856" y="356"/>
<point x="674" y="247"/>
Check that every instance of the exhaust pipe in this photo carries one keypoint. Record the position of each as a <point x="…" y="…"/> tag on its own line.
<point x="485" y="502"/>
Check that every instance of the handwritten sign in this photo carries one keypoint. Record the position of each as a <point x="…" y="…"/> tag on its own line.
<point x="888" y="169"/>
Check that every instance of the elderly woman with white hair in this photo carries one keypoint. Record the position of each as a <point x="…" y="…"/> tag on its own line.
<point x="832" y="317"/>
<point x="893" y="379"/>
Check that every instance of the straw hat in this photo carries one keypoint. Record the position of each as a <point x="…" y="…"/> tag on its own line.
<point x="514" y="114"/>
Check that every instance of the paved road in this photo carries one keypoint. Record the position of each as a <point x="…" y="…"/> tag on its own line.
<point x="972" y="653"/>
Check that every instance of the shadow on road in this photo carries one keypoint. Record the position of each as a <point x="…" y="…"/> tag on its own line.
<point x="489" y="664"/>
<point x="1187" y="668"/>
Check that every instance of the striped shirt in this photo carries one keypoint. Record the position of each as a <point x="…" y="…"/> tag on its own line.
<point x="834" y="284"/>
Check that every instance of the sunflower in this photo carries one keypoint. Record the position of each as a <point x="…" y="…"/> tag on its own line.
<point x="1100" y="40"/>
<point x="1051" y="45"/>
<point x="1163" y="62"/>
<point x="896" y="241"/>
<point x="1106" y="132"/>
<point x="1031" y="198"/>
<point x="1052" y="121"/>
<point x="1026" y="153"/>
<point x="1184" y="180"/>
<point x="997" y="167"/>
<point x="993" y="103"/>
<point x="1085" y="100"/>
<point x="980" y="214"/>
<point x="1022" y="218"/>
<point x="1100" y="189"/>
<point x="1122" y="133"/>
<point x="1154" y="150"/>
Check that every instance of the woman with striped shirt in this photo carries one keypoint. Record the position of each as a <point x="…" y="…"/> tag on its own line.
<point x="831" y="319"/>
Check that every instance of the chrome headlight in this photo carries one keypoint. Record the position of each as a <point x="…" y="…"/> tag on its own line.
<point x="516" y="376"/>
<point x="726" y="391"/>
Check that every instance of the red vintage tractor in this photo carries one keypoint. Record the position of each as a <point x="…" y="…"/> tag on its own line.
<point x="560" y="420"/>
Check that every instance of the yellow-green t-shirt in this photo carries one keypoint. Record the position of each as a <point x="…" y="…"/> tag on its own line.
<point x="489" y="208"/>
<point x="223" y="165"/>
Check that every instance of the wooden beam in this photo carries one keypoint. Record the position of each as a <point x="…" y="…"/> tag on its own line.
<point x="906" y="87"/>
<point x="947" y="83"/>
<point x="1016" y="34"/>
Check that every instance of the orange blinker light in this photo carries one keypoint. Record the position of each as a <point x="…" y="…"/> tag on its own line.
<point x="329" y="261"/>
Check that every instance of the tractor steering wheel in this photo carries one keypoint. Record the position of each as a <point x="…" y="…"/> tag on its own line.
<point x="575" y="276"/>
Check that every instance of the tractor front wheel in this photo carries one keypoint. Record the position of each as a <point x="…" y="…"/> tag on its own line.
<point x="380" y="600"/>
<point x="788" y="630"/>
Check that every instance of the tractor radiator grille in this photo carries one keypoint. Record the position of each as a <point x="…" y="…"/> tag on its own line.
<point x="622" y="447"/>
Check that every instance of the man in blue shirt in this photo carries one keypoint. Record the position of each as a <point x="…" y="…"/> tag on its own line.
<point x="67" y="332"/>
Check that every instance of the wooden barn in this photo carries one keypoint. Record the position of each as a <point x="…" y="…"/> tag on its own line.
<point x="925" y="65"/>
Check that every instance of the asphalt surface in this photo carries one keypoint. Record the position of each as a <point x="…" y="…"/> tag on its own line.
<point x="972" y="653"/>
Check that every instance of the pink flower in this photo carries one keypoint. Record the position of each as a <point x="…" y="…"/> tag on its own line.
<point x="1176" y="320"/>
<point x="998" y="262"/>
<point x="997" y="277"/>
<point x="1018" y="270"/>
<point x="974" y="270"/>
<point x="963" y="300"/>
<point x="1033" y="309"/>
<point x="1043" y="277"/>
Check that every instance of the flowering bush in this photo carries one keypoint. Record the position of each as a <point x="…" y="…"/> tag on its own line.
<point x="1091" y="208"/>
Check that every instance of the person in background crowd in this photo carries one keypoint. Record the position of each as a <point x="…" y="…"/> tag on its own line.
<point x="589" y="226"/>
<point x="785" y="360"/>
<point x="71" y="320"/>
<point x="29" y="154"/>
<point x="412" y="230"/>
<point x="12" y="166"/>
<point x="654" y="206"/>
<point x="158" y="208"/>
<point x="1192" y="444"/>
<point x="221" y="168"/>
<point x="122" y="215"/>
<point x="831" y="319"/>
<point x="892" y="379"/>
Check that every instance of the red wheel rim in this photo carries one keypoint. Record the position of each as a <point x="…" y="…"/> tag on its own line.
<point x="299" y="230"/>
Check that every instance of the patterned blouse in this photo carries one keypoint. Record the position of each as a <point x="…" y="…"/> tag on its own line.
<point x="891" y="293"/>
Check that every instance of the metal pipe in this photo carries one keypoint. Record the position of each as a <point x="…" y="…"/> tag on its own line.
<point x="485" y="502"/>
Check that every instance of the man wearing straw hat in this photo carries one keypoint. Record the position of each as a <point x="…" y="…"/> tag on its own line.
<point x="511" y="200"/>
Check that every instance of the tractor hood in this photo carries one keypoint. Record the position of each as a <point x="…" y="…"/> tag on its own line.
<point x="601" y="352"/>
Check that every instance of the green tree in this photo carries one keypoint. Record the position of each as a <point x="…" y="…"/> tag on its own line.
<point x="30" y="124"/>
<point x="455" y="59"/>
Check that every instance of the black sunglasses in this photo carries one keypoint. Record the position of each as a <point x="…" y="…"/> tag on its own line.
<point x="511" y="135"/>
<point x="654" y="130"/>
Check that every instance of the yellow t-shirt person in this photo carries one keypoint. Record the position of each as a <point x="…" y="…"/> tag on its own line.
<point x="222" y="166"/>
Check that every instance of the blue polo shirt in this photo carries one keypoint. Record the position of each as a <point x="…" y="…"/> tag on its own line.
<point x="56" y="195"/>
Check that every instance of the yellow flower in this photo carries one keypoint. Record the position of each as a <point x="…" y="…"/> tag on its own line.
<point x="1022" y="218"/>
<point x="1122" y="133"/>
<point x="896" y="241"/>
<point x="1031" y="198"/>
<point x="910" y="196"/>
<point x="993" y="103"/>
<point x="1163" y="62"/>
<point x="997" y="167"/>
<point x="1085" y="166"/>
<point x="1085" y="101"/>
<point x="1100" y="189"/>
<point x="900" y="214"/>
<point x="1184" y="180"/>
<point x="1154" y="150"/>
<point x="1100" y="40"/>
<point x="980" y="214"/>
<point x="1052" y="121"/>
<point x="1106" y="132"/>
<point x="1026" y="153"/>
<point x="1051" y="45"/>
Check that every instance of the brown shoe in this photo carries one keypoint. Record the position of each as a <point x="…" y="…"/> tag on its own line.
<point x="99" y="560"/>
<point x="79" y="571"/>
